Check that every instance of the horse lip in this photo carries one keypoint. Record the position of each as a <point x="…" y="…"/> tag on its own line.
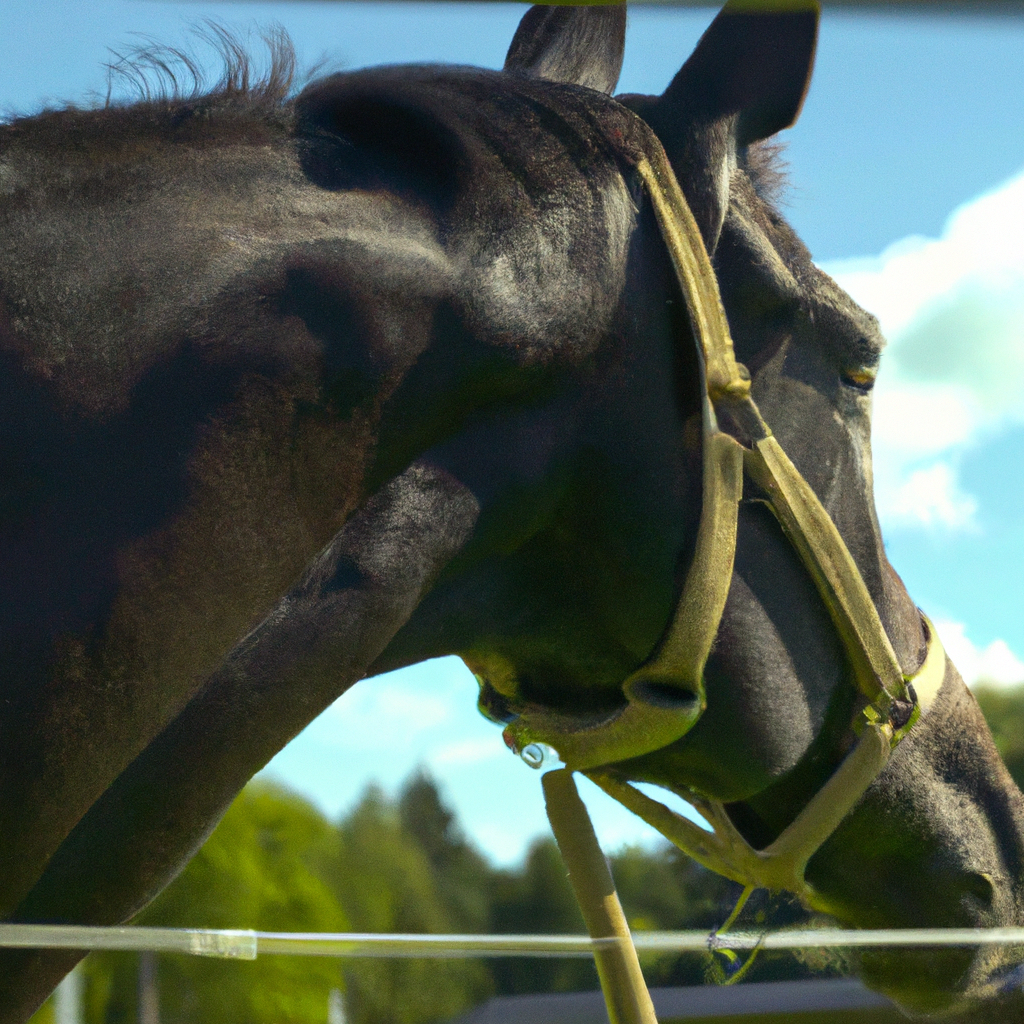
<point x="567" y="722"/>
<point x="568" y="725"/>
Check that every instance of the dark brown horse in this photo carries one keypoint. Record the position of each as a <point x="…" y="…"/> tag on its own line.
<point x="296" y="391"/>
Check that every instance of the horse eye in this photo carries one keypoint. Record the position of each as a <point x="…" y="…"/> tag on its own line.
<point x="862" y="379"/>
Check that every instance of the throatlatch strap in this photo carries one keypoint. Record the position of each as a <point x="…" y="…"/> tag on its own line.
<point x="678" y="663"/>
<point x="675" y="673"/>
<point x="665" y="696"/>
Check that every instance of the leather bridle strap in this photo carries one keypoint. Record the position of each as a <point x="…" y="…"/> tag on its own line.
<point x="781" y="864"/>
<point x="807" y="525"/>
<point x="665" y="696"/>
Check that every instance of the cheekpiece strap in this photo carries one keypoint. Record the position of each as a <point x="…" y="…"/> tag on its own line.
<point x="894" y="702"/>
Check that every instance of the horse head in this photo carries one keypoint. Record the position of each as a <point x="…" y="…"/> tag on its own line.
<point x="299" y="390"/>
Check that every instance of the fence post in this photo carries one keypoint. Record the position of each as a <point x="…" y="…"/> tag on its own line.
<point x="149" y="992"/>
<point x="335" y="1007"/>
<point x="67" y="1000"/>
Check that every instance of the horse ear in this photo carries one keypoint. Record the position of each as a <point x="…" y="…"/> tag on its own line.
<point x="753" y="64"/>
<point x="746" y="80"/>
<point x="576" y="45"/>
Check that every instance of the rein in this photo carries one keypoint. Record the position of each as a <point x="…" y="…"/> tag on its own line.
<point x="649" y="721"/>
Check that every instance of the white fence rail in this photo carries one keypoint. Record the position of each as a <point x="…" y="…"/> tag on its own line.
<point x="246" y="945"/>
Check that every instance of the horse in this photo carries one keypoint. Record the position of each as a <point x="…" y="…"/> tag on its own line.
<point x="302" y="388"/>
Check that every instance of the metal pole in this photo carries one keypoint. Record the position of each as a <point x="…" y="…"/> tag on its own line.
<point x="625" y="992"/>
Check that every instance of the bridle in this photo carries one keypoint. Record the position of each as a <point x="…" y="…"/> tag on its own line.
<point x="894" y="701"/>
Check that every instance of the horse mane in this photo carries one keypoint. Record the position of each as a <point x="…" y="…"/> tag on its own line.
<point x="168" y="74"/>
<point x="168" y="95"/>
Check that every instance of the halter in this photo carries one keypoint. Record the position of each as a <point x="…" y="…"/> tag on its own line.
<point x="895" y="702"/>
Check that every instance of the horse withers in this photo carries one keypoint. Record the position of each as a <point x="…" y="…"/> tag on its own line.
<point x="297" y="390"/>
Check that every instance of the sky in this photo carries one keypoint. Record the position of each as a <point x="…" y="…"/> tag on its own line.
<point x="907" y="183"/>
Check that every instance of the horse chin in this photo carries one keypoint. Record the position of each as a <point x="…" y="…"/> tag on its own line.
<point x="948" y="982"/>
<point x="945" y="983"/>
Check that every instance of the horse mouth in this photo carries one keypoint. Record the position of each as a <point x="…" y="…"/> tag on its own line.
<point x="654" y="715"/>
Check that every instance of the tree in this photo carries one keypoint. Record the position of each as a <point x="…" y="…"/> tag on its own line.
<point x="462" y="875"/>
<point x="276" y="864"/>
<point x="1003" y="707"/>
<point x="538" y="898"/>
<point x="261" y="868"/>
<point x="385" y="881"/>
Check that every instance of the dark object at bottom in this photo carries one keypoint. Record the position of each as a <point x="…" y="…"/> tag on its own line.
<point x="842" y="1001"/>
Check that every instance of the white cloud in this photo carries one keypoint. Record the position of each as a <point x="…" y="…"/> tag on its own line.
<point x="471" y="751"/>
<point x="995" y="663"/>
<point x="921" y="419"/>
<point x="982" y="242"/>
<point x="411" y="704"/>
<point x="932" y="497"/>
<point x="953" y="311"/>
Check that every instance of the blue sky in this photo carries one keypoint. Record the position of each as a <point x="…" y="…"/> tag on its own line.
<point x="907" y="184"/>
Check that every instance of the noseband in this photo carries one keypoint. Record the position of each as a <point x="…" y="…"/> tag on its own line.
<point x="649" y="721"/>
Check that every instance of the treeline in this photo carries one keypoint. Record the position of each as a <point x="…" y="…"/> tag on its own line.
<point x="276" y="864"/>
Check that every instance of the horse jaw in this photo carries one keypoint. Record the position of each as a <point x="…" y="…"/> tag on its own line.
<point x="937" y="842"/>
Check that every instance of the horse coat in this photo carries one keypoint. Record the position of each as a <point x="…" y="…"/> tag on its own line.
<point x="300" y="390"/>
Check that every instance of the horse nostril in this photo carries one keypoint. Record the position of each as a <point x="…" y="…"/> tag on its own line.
<point x="665" y="695"/>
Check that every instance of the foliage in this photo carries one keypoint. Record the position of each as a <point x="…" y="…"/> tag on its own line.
<point x="275" y="864"/>
<point x="665" y="890"/>
<point x="261" y="868"/>
<point x="1003" y="707"/>
<point x="388" y="882"/>
<point x="461" y="874"/>
<point x="538" y="898"/>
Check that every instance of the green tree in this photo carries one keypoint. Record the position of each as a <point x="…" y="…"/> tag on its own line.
<point x="538" y="898"/>
<point x="385" y="881"/>
<point x="261" y="868"/>
<point x="1003" y="708"/>
<point x="275" y="864"/>
<point x="662" y="889"/>
<point x="462" y="875"/>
